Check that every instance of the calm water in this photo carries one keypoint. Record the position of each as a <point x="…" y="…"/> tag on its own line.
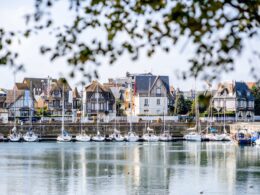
<point x="129" y="168"/>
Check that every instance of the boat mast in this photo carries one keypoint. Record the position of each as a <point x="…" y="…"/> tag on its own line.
<point x="163" y="116"/>
<point x="82" y="107"/>
<point x="97" y="104"/>
<point x="116" y="109"/>
<point x="130" y="91"/>
<point x="14" y="92"/>
<point x="197" y="109"/>
<point x="31" y="105"/>
<point x="63" y="107"/>
<point x="149" y="102"/>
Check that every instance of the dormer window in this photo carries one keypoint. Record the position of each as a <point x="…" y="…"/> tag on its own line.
<point x="158" y="90"/>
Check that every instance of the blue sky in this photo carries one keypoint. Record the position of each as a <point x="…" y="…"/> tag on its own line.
<point x="11" y="14"/>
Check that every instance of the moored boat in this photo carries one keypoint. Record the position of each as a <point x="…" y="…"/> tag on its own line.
<point x="242" y="137"/>
<point x="116" y="136"/>
<point x="150" y="136"/>
<point x="14" y="135"/>
<point x="30" y="136"/>
<point x="98" y="137"/>
<point x="132" y="137"/>
<point x="64" y="137"/>
<point x="82" y="137"/>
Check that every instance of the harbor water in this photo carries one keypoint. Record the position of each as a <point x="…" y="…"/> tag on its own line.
<point x="129" y="168"/>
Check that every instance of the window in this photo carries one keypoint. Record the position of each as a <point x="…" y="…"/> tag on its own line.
<point x="158" y="102"/>
<point x="145" y="102"/>
<point x="158" y="91"/>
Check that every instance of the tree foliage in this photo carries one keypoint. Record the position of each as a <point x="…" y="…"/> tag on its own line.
<point x="180" y="106"/>
<point x="256" y="93"/>
<point x="216" y="29"/>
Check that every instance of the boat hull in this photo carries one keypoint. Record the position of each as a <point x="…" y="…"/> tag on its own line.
<point x="14" y="138"/>
<point x="62" y="138"/>
<point x="82" y="138"/>
<point x="31" y="138"/>
<point x="150" y="138"/>
<point x="193" y="137"/>
<point x="98" y="138"/>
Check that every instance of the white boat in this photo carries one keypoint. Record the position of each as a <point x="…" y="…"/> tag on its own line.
<point x="64" y="136"/>
<point x="82" y="137"/>
<point x="195" y="132"/>
<point x="193" y="136"/>
<point x="132" y="137"/>
<point x="165" y="136"/>
<point x="116" y="136"/>
<point x="223" y="137"/>
<point x="98" y="137"/>
<point x="150" y="136"/>
<point x="257" y="142"/>
<point x="30" y="136"/>
<point x="210" y="137"/>
<point x="14" y="135"/>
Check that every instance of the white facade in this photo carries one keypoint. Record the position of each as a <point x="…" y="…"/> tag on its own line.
<point x="150" y="105"/>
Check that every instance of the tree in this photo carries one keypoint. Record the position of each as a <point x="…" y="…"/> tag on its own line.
<point x="216" y="29"/>
<point x="180" y="106"/>
<point x="256" y="93"/>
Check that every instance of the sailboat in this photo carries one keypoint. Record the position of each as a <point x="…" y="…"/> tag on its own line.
<point x="116" y="135"/>
<point x="165" y="136"/>
<point x="224" y="136"/>
<point x="30" y="136"/>
<point x="150" y="136"/>
<point x="64" y="136"/>
<point x="82" y="136"/>
<point x="210" y="131"/>
<point x="195" y="132"/>
<point x="131" y="136"/>
<point x="98" y="137"/>
<point x="14" y="135"/>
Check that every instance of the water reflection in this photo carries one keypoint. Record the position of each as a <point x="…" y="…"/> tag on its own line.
<point x="129" y="168"/>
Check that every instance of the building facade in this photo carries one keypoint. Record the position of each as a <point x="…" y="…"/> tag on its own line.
<point x="98" y="99"/>
<point x="148" y="94"/>
<point x="235" y="97"/>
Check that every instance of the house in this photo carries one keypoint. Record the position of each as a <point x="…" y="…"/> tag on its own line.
<point x="20" y="102"/>
<point x="148" y="94"/>
<point x="54" y="97"/>
<point x="3" y="110"/>
<point x="235" y="97"/>
<point x="98" y="99"/>
<point x="38" y="85"/>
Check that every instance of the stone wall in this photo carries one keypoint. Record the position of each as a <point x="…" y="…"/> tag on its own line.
<point x="49" y="129"/>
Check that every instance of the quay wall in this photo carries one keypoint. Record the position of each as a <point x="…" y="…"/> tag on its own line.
<point x="51" y="129"/>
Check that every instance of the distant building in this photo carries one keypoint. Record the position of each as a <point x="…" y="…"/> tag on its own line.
<point x="3" y="110"/>
<point x="98" y="99"/>
<point x="20" y="102"/>
<point x="235" y="97"/>
<point x="54" y="98"/>
<point x="149" y="94"/>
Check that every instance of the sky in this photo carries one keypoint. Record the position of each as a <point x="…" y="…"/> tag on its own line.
<point x="36" y="65"/>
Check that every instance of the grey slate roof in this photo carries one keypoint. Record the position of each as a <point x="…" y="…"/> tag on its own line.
<point x="242" y="91"/>
<point x="142" y="82"/>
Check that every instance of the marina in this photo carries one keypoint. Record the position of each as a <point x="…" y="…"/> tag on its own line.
<point x="129" y="168"/>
